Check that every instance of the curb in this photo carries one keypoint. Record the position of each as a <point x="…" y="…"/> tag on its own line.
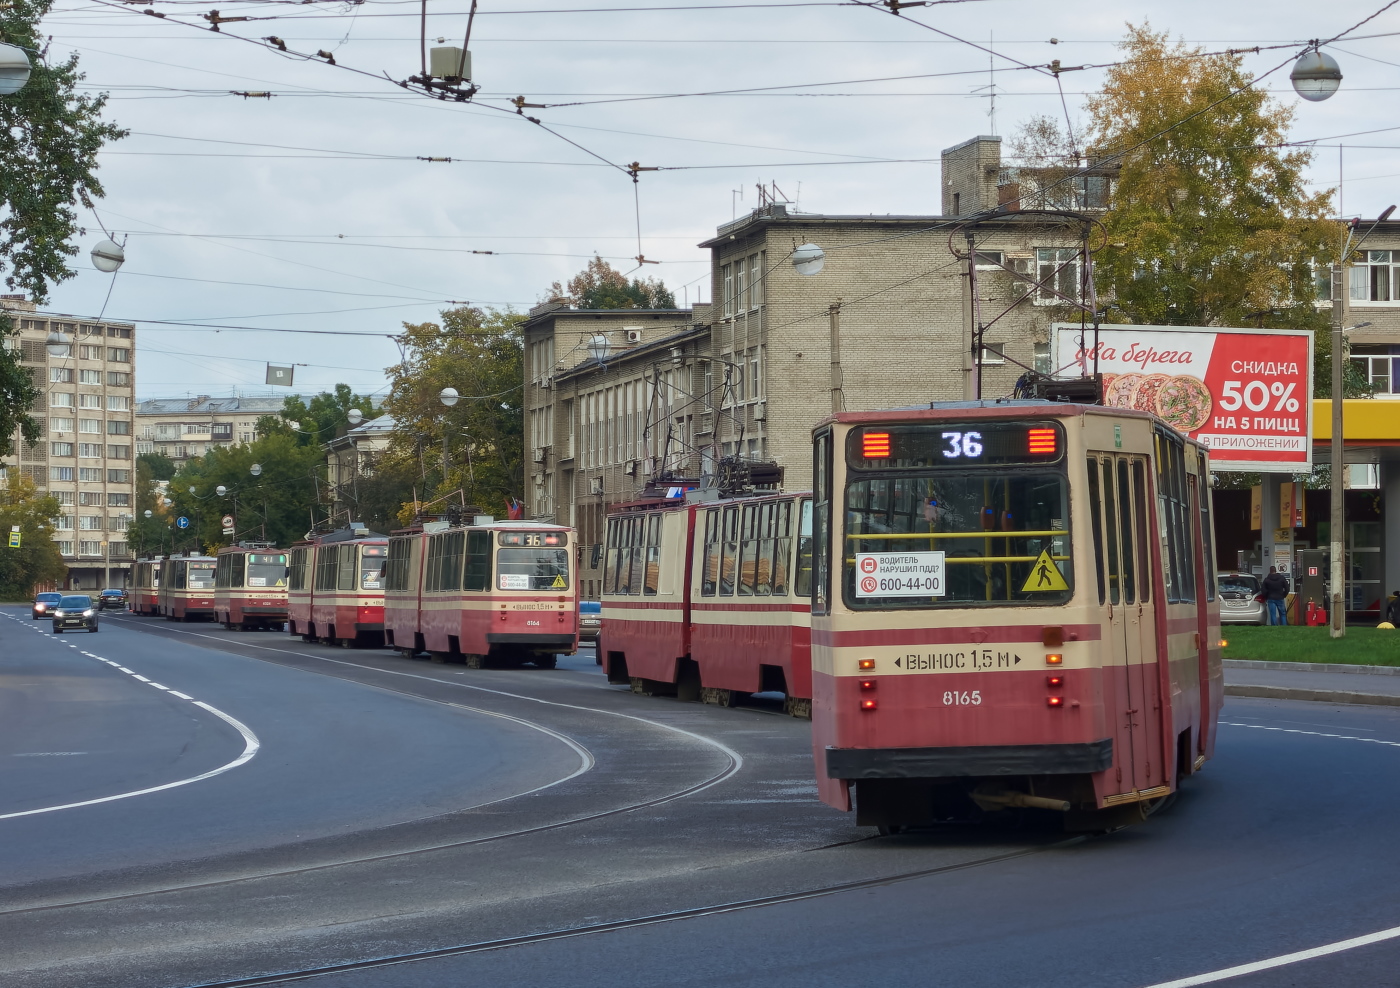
<point x="1311" y="667"/>
<point x="1321" y="696"/>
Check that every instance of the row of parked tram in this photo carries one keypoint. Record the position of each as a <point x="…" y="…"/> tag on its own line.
<point x="980" y="605"/>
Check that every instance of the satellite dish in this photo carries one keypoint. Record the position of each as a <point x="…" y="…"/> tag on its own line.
<point x="14" y="69"/>
<point x="809" y="259"/>
<point x="448" y="396"/>
<point x="108" y="256"/>
<point x="354" y="416"/>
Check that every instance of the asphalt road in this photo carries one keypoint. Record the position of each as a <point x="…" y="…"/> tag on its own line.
<point x="378" y="817"/>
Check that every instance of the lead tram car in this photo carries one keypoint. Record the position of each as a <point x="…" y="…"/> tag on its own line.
<point x="1013" y="606"/>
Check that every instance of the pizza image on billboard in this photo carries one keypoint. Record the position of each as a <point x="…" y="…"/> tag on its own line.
<point x="1245" y="393"/>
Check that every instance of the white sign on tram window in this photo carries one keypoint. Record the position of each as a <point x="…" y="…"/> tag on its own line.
<point x="900" y="574"/>
<point x="515" y="581"/>
<point x="257" y="581"/>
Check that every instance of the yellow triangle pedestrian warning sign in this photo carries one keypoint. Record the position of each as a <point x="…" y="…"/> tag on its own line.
<point x="559" y="583"/>
<point x="1045" y="576"/>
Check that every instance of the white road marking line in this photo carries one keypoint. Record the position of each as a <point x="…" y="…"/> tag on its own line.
<point x="159" y="687"/>
<point x="1315" y="734"/>
<point x="180" y="695"/>
<point x="142" y="678"/>
<point x="1282" y="960"/>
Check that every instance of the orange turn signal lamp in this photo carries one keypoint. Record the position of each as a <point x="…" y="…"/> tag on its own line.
<point x="866" y="663"/>
<point x="1054" y="659"/>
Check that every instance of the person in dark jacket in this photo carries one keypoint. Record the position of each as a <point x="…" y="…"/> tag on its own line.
<point x="1275" y="590"/>
<point x="1392" y="610"/>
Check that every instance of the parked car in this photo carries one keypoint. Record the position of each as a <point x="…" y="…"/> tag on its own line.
<point x="44" y="603"/>
<point x="590" y="622"/>
<point x="75" y="611"/>
<point x="112" y="599"/>
<point x="1237" y="603"/>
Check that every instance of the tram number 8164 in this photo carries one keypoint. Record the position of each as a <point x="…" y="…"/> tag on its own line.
<point x="963" y="698"/>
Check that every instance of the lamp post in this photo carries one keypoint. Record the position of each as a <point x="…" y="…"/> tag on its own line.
<point x="808" y="260"/>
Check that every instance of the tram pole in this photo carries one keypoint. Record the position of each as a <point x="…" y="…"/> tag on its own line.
<point x="1338" y="459"/>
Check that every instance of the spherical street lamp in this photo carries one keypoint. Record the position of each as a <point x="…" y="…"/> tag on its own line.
<point x="354" y="416"/>
<point x="809" y="259"/>
<point x="108" y="256"/>
<point x="14" y="69"/>
<point x="221" y="490"/>
<point x="256" y="469"/>
<point x="57" y="343"/>
<point x="599" y="347"/>
<point x="448" y="396"/>
<point x="192" y="491"/>
<point x="148" y="512"/>
<point x="1316" y="76"/>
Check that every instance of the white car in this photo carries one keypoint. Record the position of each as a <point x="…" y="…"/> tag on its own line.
<point x="1237" y="603"/>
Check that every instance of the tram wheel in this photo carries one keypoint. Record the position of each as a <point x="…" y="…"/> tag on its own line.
<point x="438" y="657"/>
<point x="473" y="660"/>
<point x="798" y="706"/>
<point x="546" y="661"/>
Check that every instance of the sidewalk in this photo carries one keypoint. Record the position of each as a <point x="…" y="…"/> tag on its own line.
<point x="1379" y="685"/>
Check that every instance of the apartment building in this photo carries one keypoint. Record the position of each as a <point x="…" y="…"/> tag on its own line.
<point x="187" y="428"/>
<point x="85" y="455"/>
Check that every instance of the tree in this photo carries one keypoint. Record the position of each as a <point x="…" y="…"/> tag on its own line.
<point x="37" y="561"/>
<point x="322" y="419"/>
<point x="49" y="140"/>
<point x="479" y="353"/>
<point x="601" y="286"/>
<point x="158" y="465"/>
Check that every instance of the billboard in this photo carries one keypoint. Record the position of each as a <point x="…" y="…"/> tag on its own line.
<point x="1245" y="393"/>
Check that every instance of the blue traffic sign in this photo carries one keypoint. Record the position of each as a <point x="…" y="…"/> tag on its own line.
<point x="182" y="522"/>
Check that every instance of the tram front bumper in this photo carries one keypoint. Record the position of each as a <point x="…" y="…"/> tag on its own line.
<point x="973" y="760"/>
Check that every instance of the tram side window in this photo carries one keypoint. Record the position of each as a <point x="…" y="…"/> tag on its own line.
<point x="345" y="568"/>
<point x="1175" y="519"/>
<point x="749" y="524"/>
<point x="782" y="547"/>
<point x="296" y="572"/>
<point x="396" y="569"/>
<point x="1095" y="511"/>
<point x="1111" y="530"/>
<point x="804" y="551"/>
<point x="729" y="552"/>
<point x="478" y="574"/>
<point x="1140" y="516"/>
<point x="327" y="567"/>
<point x="1208" y="538"/>
<point x="610" y="559"/>
<point x="177" y="577"/>
<point x="653" y="570"/>
<point x="445" y="561"/>
<point x="821" y="523"/>
<point x="636" y="539"/>
<point x="709" y="567"/>
<point x="1125" y="533"/>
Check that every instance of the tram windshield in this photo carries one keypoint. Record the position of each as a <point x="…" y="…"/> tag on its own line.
<point x="372" y="558"/>
<point x="532" y="569"/>
<point x="957" y="539"/>
<point x="267" y="569"/>
<point x="201" y="575"/>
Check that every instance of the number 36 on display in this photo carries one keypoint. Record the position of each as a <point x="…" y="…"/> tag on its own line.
<point x="962" y="444"/>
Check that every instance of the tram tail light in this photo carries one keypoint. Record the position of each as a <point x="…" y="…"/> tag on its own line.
<point x="1040" y="441"/>
<point x="867" y="684"/>
<point x="875" y="445"/>
<point x="1055" y="681"/>
<point x="1054" y="701"/>
<point x="869" y="703"/>
<point x="1054" y="659"/>
<point x="866" y="664"/>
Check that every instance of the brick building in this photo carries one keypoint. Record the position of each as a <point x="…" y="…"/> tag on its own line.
<point x="85" y="456"/>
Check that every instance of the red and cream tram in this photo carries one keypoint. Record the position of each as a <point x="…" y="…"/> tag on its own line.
<point x="186" y="591"/>
<point x="335" y="589"/>
<point x="250" y="587"/>
<point x="710" y="600"/>
<point x="145" y="586"/>
<point x="1013" y="606"/>
<point x="503" y="592"/>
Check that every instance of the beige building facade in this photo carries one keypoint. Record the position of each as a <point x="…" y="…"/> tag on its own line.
<point x="187" y="428"/>
<point x="85" y="456"/>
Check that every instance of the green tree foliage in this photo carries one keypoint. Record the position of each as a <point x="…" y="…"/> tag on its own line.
<point x="479" y="353"/>
<point x="156" y="534"/>
<point x="49" y="139"/>
<point x="601" y="286"/>
<point x="278" y="506"/>
<point x="323" y="418"/>
<point x="1211" y="222"/>
<point x="36" y="563"/>
<point x="158" y="465"/>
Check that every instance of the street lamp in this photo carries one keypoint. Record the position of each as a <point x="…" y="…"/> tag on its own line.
<point x="14" y="69"/>
<point x="448" y="396"/>
<point x="1316" y="76"/>
<point x="354" y="416"/>
<point x="599" y="347"/>
<point x="57" y="343"/>
<point x="256" y="469"/>
<point x="1337" y="535"/>
<point x="108" y="256"/>
<point x="808" y="260"/>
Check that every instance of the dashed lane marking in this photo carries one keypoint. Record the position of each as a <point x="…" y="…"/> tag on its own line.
<point x="1315" y="734"/>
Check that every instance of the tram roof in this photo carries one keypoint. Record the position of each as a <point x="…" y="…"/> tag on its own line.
<point x="989" y="408"/>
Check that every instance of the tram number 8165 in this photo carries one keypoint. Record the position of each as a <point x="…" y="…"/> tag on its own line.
<point x="963" y="698"/>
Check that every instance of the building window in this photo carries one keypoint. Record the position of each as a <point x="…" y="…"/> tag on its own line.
<point x="90" y="498"/>
<point x="119" y="332"/>
<point x="755" y="281"/>
<point x="119" y="452"/>
<point x="119" y="549"/>
<point x="89" y="548"/>
<point x="164" y="431"/>
<point x="220" y="432"/>
<point x="91" y="523"/>
<point x="727" y="276"/>
<point x="64" y="523"/>
<point x="119" y="353"/>
<point x="62" y="449"/>
<point x="59" y="424"/>
<point x="92" y="427"/>
<point x="118" y="427"/>
<point x="118" y="379"/>
<point x="118" y="403"/>
<point x="118" y="500"/>
<point x="89" y="475"/>
<point x="61" y="473"/>
<point x="60" y="399"/>
<point x="92" y="451"/>
<point x="741" y="292"/>
<point x="65" y="548"/>
<point x="90" y="377"/>
<point x="63" y="497"/>
<point x="90" y="352"/>
<point x="1057" y="270"/>
<point x="60" y="375"/>
<point x="994" y="353"/>
<point x="1377" y="279"/>
<point x="119" y="477"/>
<point x="1377" y="366"/>
<point x="146" y="447"/>
<point x="89" y="401"/>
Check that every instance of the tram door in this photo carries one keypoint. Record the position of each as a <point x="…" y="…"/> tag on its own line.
<point x="1118" y="483"/>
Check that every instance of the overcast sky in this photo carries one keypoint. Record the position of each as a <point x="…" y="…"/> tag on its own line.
<point x="309" y="210"/>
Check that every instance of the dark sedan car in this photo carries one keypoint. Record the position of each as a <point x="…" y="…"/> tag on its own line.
<point x="73" y="612"/>
<point x="44" y="603"/>
<point x="112" y="599"/>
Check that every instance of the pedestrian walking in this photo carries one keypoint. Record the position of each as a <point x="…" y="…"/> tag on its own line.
<point x="1275" y="590"/>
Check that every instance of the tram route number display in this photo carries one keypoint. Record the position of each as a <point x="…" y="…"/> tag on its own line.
<point x="900" y="574"/>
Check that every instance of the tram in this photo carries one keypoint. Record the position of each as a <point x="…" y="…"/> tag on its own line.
<point x="502" y="592"/>
<point x="335" y="588"/>
<point x="250" y="586"/>
<point x="145" y="586"/>
<point x="186" y="589"/>
<point x="1013" y="606"/>
<point x="710" y="600"/>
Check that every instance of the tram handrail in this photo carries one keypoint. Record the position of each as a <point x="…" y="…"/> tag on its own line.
<point x="956" y="535"/>
<point x="851" y="560"/>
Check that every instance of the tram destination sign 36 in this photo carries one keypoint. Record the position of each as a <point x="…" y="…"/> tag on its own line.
<point x="900" y="574"/>
<point x="1245" y="393"/>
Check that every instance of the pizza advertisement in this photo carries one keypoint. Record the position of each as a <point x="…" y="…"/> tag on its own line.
<point x="1245" y="393"/>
